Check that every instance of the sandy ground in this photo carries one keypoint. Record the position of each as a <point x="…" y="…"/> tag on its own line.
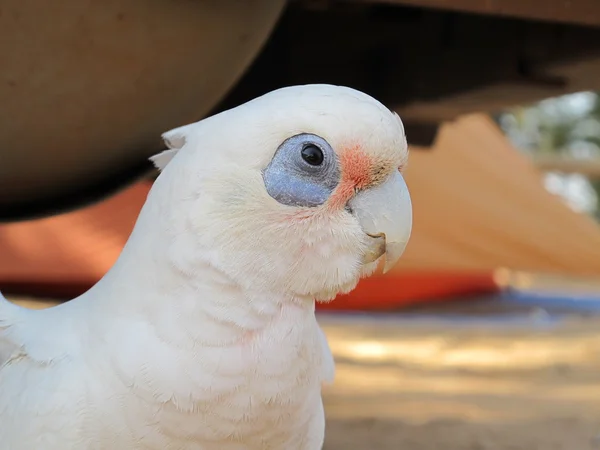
<point x="429" y="383"/>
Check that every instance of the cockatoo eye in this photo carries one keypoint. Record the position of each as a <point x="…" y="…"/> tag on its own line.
<point x="312" y="155"/>
<point x="303" y="172"/>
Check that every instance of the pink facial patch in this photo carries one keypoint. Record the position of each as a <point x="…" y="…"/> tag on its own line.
<point x="356" y="169"/>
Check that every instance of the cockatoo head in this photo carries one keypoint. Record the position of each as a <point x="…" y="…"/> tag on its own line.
<point x="298" y="191"/>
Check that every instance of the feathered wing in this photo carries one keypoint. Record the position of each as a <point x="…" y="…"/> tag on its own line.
<point x="40" y="389"/>
<point x="9" y="342"/>
<point x="38" y="336"/>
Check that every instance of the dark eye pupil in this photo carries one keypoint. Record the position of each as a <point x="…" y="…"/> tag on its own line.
<point x="312" y="155"/>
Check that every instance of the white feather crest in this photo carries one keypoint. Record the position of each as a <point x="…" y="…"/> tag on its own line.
<point x="174" y="139"/>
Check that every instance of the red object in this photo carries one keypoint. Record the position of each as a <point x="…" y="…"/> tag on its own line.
<point x="397" y="290"/>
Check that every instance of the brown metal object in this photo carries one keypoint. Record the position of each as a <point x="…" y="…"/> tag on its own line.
<point x="86" y="87"/>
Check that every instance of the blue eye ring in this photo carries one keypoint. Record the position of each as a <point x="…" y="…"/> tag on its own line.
<point x="303" y="172"/>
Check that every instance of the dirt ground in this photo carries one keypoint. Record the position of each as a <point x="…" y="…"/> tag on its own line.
<point x="439" y="384"/>
<point x="429" y="383"/>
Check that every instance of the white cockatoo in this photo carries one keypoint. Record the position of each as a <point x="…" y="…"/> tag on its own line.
<point x="203" y="334"/>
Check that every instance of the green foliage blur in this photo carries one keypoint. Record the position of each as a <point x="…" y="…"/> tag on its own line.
<point x="564" y="126"/>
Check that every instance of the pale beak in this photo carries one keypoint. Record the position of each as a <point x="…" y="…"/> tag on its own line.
<point x="385" y="215"/>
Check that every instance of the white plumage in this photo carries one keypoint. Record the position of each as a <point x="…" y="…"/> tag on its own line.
<point x="203" y="335"/>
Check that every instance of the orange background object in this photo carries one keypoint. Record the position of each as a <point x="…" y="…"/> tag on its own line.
<point x="478" y="205"/>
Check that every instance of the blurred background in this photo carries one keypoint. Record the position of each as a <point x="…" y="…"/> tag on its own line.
<point x="487" y="334"/>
